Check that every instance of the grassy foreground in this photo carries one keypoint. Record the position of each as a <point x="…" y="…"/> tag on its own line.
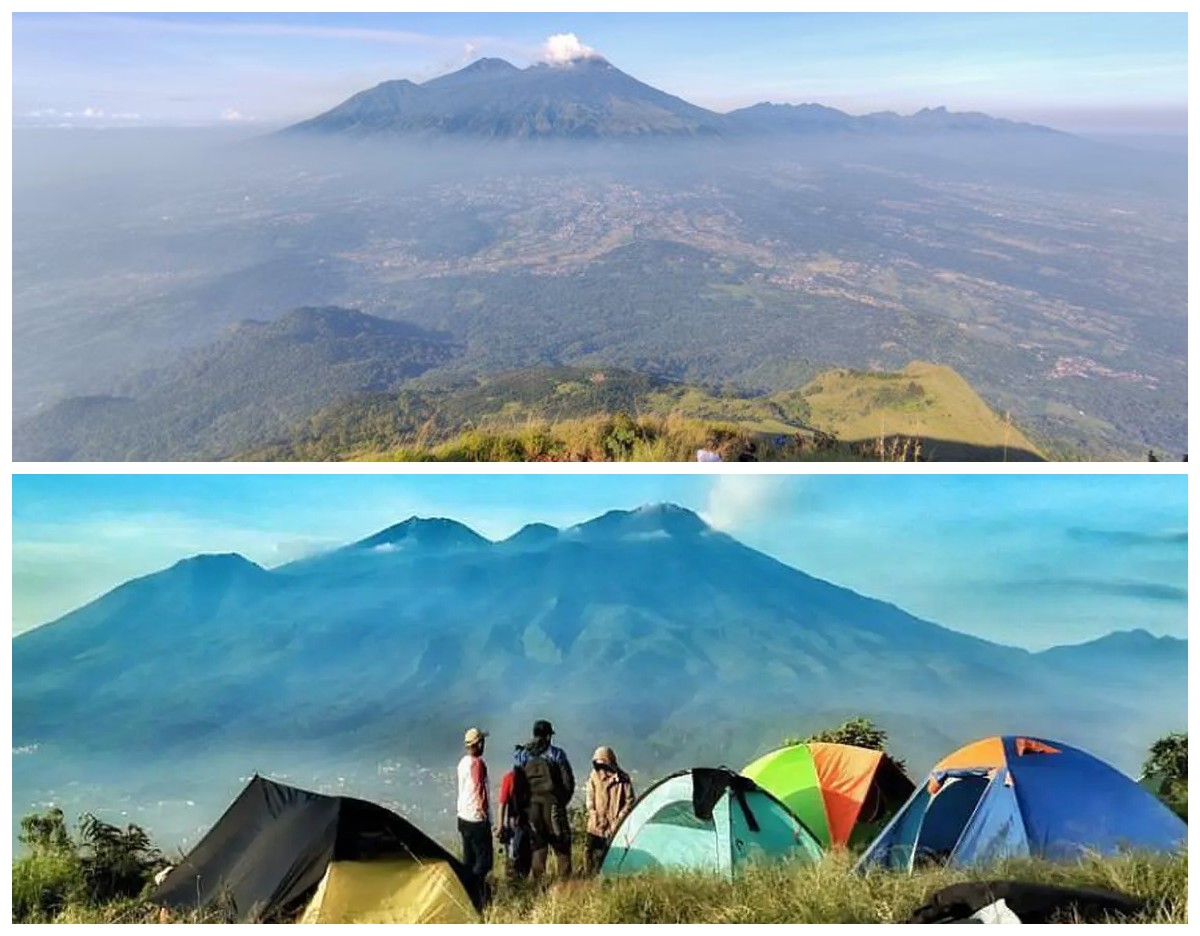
<point x="921" y="413"/>
<point x="825" y="893"/>
<point x="625" y="438"/>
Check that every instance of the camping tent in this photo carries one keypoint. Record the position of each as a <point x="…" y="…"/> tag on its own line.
<point x="707" y="819"/>
<point x="279" y="851"/>
<point x="841" y="792"/>
<point x="1011" y="797"/>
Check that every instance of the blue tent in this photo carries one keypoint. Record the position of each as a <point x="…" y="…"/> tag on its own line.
<point x="1016" y="797"/>
<point x="707" y="819"/>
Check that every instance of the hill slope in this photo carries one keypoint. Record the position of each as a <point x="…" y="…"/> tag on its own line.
<point x="923" y="400"/>
<point x="252" y="384"/>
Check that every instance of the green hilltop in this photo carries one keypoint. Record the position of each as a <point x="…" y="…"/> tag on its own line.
<point x="924" y="412"/>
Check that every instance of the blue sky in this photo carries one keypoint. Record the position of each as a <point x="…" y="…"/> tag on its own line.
<point x="1028" y="560"/>
<point x="1083" y="72"/>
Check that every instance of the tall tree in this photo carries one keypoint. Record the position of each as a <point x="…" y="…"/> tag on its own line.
<point x="859" y="732"/>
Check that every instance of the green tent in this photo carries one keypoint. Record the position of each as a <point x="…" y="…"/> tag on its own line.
<point x="707" y="819"/>
<point x="844" y="793"/>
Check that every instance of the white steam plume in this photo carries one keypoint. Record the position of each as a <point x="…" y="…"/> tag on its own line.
<point x="565" y="48"/>
<point x="740" y="502"/>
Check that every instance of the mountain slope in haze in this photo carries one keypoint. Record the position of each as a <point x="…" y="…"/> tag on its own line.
<point x="769" y="118"/>
<point x="252" y="384"/>
<point x="1108" y="658"/>
<point x="337" y="384"/>
<point x="583" y="99"/>
<point x="646" y="628"/>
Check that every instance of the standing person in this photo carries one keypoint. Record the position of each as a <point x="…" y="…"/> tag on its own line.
<point x="474" y="813"/>
<point x="512" y="829"/>
<point x="610" y="798"/>
<point x="544" y="773"/>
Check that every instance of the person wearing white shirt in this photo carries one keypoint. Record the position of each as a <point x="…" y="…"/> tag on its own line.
<point x="474" y="811"/>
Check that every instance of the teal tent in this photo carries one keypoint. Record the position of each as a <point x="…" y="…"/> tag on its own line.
<point x="707" y="819"/>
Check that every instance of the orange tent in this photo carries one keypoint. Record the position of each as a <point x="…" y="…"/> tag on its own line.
<point x="839" y="791"/>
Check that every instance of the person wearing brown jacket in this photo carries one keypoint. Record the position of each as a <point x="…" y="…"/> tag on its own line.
<point x="609" y="800"/>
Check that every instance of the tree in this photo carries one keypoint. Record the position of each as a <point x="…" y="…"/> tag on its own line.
<point x="1167" y="765"/>
<point x="116" y="862"/>
<point x="859" y="732"/>
<point x="46" y="834"/>
<point x="1168" y="758"/>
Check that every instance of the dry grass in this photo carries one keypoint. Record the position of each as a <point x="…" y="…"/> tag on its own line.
<point x="824" y="893"/>
<point x="618" y="437"/>
<point x="923" y="400"/>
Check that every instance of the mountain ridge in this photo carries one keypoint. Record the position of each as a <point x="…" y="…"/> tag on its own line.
<point x="590" y="98"/>
<point x="612" y="528"/>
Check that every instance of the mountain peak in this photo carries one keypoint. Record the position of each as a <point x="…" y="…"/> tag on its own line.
<point x="593" y="60"/>
<point x="491" y="65"/>
<point x="650" y="521"/>
<point x="218" y="561"/>
<point x="1120" y="645"/>
<point x="211" y="572"/>
<point x="434" y="532"/>
<point x="533" y="534"/>
<point x="1135" y="637"/>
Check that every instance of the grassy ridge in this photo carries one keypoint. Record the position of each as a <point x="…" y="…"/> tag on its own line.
<point x="569" y="414"/>
<point x="923" y="400"/>
<point x="620" y="438"/>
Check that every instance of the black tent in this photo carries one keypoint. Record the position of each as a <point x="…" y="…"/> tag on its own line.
<point x="265" y="857"/>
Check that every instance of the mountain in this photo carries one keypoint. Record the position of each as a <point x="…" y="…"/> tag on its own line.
<point x="647" y="629"/>
<point x="766" y="117"/>
<point x="1108" y="658"/>
<point x="252" y="384"/>
<point x="584" y="99"/>
<point x="589" y="98"/>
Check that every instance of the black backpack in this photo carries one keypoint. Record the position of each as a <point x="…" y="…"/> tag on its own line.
<point x="538" y="781"/>
<point x="1032" y="903"/>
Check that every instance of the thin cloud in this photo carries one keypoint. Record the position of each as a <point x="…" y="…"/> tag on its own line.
<point x="1128" y="537"/>
<point x="234" y="28"/>
<point x="1117" y="588"/>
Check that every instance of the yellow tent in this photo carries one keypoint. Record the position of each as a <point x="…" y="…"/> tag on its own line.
<point x="389" y="891"/>
<point x="280" y="854"/>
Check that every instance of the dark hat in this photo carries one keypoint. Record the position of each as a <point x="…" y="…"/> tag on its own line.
<point x="542" y="728"/>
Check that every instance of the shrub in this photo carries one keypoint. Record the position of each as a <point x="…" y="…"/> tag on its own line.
<point x="104" y="866"/>
<point x="44" y="885"/>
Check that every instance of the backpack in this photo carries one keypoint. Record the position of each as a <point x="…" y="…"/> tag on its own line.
<point x="538" y="781"/>
<point x="1030" y="903"/>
